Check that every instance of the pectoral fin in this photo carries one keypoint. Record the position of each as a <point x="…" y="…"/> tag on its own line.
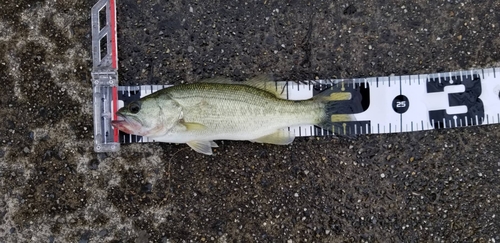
<point x="279" y="137"/>
<point x="204" y="147"/>
<point x="193" y="126"/>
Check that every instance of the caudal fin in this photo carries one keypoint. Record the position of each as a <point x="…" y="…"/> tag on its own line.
<point x="337" y="113"/>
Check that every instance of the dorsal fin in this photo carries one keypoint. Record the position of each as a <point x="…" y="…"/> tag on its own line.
<point x="218" y="80"/>
<point x="262" y="81"/>
<point x="265" y="82"/>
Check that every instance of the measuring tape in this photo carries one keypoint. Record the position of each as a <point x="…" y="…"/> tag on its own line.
<point x="391" y="104"/>
<point x="104" y="75"/>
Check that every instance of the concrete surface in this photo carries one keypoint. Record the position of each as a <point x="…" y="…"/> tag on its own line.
<point x="416" y="187"/>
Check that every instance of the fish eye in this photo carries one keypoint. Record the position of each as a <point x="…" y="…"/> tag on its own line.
<point x="134" y="107"/>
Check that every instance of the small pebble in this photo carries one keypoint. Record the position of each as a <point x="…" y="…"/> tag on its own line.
<point x="94" y="164"/>
<point x="103" y="233"/>
<point x="85" y="237"/>
<point x="382" y="175"/>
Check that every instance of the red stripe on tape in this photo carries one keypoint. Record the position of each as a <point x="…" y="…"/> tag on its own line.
<point x="114" y="46"/>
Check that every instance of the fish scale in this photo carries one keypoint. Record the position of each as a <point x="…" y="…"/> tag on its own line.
<point x="391" y="104"/>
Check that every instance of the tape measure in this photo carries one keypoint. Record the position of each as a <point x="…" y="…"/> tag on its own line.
<point x="391" y="104"/>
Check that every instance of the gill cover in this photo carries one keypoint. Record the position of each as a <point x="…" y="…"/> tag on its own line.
<point x="150" y="116"/>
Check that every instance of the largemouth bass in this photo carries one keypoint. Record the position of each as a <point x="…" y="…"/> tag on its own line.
<point x="199" y="113"/>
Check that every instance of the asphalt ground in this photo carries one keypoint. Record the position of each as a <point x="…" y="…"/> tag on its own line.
<point x="432" y="186"/>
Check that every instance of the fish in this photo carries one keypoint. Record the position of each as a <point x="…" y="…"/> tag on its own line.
<point x="221" y="109"/>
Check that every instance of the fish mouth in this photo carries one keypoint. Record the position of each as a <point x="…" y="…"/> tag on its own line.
<point x="127" y="125"/>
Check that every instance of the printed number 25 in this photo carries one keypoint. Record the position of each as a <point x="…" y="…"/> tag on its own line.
<point x="400" y="104"/>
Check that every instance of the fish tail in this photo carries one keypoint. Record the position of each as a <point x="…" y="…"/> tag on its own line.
<point x="335" y="113"/>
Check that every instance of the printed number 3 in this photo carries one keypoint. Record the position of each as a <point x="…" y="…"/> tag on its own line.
<point x="469" y="98"/>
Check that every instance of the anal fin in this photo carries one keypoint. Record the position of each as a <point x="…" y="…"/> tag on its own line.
<point x="213" y="144"/>
<point x="279" y="137"/>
